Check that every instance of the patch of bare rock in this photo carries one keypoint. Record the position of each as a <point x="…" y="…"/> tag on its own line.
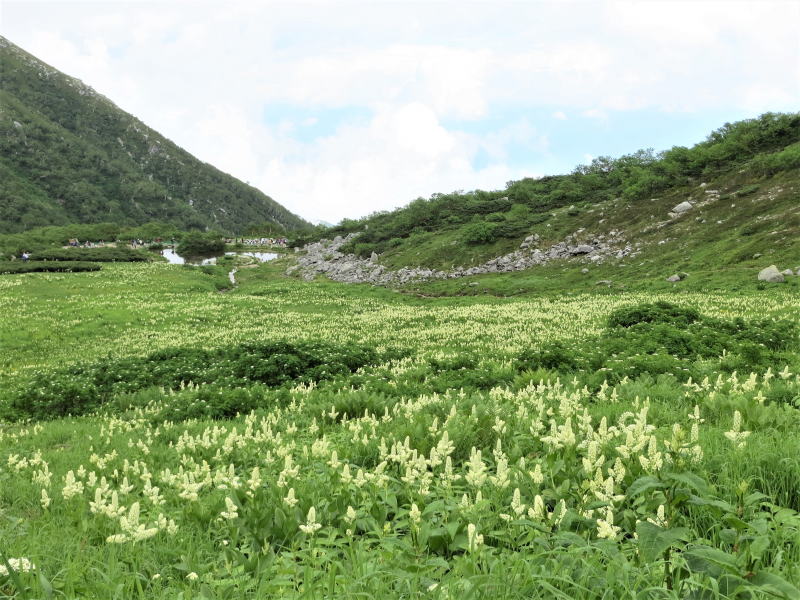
<point x="325" y="258"/>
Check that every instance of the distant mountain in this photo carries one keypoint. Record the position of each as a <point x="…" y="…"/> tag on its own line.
<point x="730" y="202"/>
<point x="70" y="155"/>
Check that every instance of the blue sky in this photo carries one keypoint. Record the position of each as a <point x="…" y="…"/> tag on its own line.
<point x="340" y="109"/>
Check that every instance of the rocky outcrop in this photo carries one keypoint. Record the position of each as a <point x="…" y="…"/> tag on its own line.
<point x="771" y="275"/>
<point x="680" y="209"/>
<point x="325" y="258"/>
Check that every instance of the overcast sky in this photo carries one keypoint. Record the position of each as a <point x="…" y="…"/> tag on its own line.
<point x="340" y="109"/>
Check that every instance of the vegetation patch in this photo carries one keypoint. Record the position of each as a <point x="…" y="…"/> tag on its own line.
<point x="201" y="244"/>
<point x="662" y="338"/>
<point x="82" y="388"/>
<point x="18" y="266"/>
<point x="108" y="254"/>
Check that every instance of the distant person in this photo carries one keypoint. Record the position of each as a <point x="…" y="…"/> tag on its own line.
<point x="25" y="256"/>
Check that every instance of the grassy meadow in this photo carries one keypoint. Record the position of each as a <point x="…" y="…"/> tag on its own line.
<point x="164" y="435"/>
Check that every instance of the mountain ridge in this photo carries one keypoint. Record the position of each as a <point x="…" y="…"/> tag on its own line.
<point x="71" y="155"/>
<point x="730" y="204"/>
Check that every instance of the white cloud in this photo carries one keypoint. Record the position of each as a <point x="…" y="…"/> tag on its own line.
<point x="392" y="159"/>
<point x="203" y="74"/>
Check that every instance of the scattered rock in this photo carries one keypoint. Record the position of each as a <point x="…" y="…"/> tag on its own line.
<point x="682" y="208"/>
<point x="771" y="275"/>
<point x="757" y="255"/>
<point x="325" y="258"/>
<point x="604" y="282"/>
<point x="787" y="272"/>
<point x="674" y="278"/>
<point x="584" y="271"/>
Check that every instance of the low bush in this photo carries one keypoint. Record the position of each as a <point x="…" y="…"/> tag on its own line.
<point x="662" y="338"/>
<point x="107" y="254"/>
<point x="201" y="244"/>
<point x="657" y="312"/>
<point x="83" y="388"/>
<point x="480" y="233"/>
<point x="17" y="266"/>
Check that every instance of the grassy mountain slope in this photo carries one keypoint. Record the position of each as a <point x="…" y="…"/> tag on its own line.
<point x="744" y="183"/>
<point x="69" y="155"/>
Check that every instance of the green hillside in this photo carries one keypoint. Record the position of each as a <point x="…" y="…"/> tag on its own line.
<point x="743" y="183"/>
<point x="69" y="155"/>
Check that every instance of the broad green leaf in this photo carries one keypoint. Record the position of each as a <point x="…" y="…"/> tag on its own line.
<point x="735" y="522"/>
<point x="641" y="485"/>
<point x="694" y="482"/>
<point x="712" y="561"/>
<point x="721" y="504"/>
<point x="654" y="540"/>
<point x="758" y="546"/>
<point x="776" y="585"/>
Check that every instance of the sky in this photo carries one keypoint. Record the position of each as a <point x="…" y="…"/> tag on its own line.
<point x="341" y="109"/>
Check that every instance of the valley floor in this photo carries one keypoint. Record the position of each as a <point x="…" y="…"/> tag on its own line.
<point x="395" y="446"/>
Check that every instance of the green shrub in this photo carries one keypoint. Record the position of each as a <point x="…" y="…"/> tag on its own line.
<point x="662" y="338"/>
<point x="658" y="312"/>
<point x="82" y="388"/>
<point x="201" y="244"/>
<point x="107" y="254"/>
<point x="747" y="190"/>
<point x="786" y="160"/>
<point x="18" y="266"/>
<point x="480" y="233"/>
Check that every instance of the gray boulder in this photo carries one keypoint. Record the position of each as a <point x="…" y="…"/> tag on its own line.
<point x="674" y="278"/>
<point x="682" y="208"/>
<point x="787" y="272"/>
<point x="771" y="275"/>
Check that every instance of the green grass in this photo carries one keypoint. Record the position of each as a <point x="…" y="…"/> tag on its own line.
<point x="460" y="376"/>
<point x="716" y="256"/>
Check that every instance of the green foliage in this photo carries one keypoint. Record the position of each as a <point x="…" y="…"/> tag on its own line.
<point x="67" y="154"/>
<point x="393" y="440"/>
<point x="18" y="266"/>
<point x="658" y="312"/>
<point x="766" y="145"/>
<point x="107" y="254"/>
<point x="480" y="233"/>
<point x="661" y="338"/>
<point x="786" y="160"/>
<point x="83" y="388"/>
<point x="201" y="244"/>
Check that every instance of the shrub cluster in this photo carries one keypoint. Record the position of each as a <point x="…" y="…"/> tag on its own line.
<point x="18" y="266"/>
<point x="82" y="388"/>
<point x="766" y="145"/>
<point x="663" y="338"/>
<point x="201" y="244"/>
<point x="107" y="254"/>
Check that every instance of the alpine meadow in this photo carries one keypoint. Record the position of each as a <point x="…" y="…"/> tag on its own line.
<point x="578" y="386"/>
